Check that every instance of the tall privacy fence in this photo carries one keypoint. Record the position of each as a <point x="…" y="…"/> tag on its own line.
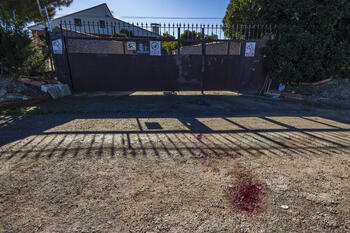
<point x="168" y="31"/>
<point x="118" y="56"/>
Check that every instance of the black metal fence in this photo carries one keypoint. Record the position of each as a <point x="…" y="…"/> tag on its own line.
<point x="100" y="56"/>
<point x="168" y="31"/>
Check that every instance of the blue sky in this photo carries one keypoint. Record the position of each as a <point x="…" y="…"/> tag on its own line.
<point x="157" y="8"/>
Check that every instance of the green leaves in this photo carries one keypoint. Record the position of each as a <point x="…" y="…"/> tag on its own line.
<point x="18" y="55"/>
<point x="27" y="10"/>
<point x="314" y="35"/>
<point x="169" y="46"/>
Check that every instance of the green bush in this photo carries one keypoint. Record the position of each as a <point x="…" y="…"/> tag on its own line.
<point x="313" y="41"/>
<point x="302" y="56"/>
<point x="18" y="55"/>
<point x="35" y="65"/>
<point x="168" y="46"/>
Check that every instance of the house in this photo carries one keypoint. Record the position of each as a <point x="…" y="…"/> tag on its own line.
<point x="97" y="20"/>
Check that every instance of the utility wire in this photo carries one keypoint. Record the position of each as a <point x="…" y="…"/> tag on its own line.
<point x="153" y="17"/>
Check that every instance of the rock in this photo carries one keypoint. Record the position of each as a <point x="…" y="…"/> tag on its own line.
<point x="30" y="82"/>
<point x="2" y="92"/>
<point x="57" y="90"/>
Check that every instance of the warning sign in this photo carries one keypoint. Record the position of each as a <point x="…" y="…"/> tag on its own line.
<point x="155" y="48"/>
<point x="57" y="47"/>
<point x="131" y="46"/>
<point x="250" y="49"/>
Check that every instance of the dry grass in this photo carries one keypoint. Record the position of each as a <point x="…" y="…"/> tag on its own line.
<point x="66" y="181"/>
<point x="165" y="164"/>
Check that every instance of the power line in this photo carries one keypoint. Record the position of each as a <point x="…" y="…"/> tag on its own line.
<point x="153" y="17"/>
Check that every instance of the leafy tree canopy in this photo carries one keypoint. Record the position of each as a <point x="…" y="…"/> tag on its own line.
<point x="168" y="36"/>
<point x="313" y="35"/>
<point x="193" y="35"/>
<point x="169" y="46"/>
<point x="27" y="10"/>
<point x="18" y="55"/>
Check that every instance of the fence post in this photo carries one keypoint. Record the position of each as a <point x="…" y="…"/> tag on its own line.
<point x="203" y="59"/>
<point x="48" y="42"/>
<point x="178" y="41"/>
<point x="228" y="47"/>
<point x="67" y="59"/>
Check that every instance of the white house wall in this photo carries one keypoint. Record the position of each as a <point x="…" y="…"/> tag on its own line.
<point x="93" y="17"/>
<point x="92" y="25"/>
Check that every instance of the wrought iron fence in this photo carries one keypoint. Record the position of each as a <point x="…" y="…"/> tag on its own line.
<point x="170" y="32"/>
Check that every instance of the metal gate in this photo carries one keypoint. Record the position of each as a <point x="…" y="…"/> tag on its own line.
<point x="120" y="59"/>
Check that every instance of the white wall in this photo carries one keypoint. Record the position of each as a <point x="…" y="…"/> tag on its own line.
<point x="92" y="25"/>
<point x="90" y="20"/>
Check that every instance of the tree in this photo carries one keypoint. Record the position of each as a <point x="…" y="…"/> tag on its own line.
<point x="195" y="36"/>
<point x="27" y="10"/>
<point x="190" y="35"/>
<point x="18" y="56"/>
<point x="313" y="35"/>
<point x="211" y="37"/>
<point x="169" y="46"/>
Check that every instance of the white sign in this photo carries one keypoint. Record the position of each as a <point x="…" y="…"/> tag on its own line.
<point x="131" y="46"/>
<point x="57" y="47"/>
<point x="250" y="49"/>
<point x="155" y="48"/>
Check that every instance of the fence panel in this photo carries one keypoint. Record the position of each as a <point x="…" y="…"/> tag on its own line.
<point x="100" y="59"/>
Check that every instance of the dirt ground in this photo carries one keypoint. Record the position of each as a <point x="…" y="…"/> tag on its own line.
<point x="186" y="163"/>
<point x="335" y="93"/>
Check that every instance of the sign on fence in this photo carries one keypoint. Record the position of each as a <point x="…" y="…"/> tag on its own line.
<point x="250" y="49"/>
<point x="155" y="48"/>
<point x="131" y="46"/>
<point x="57" y="47"/>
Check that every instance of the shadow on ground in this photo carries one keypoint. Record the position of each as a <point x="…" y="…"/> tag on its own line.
<point x="164" y="163"/>
<point x="233" y="120"/>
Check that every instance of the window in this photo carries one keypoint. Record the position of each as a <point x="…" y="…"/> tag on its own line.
<point x="102" y="24"/>
<point x="77" y="22"/>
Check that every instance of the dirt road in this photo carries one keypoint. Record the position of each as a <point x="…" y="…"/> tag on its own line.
<point x="189" y="163"/>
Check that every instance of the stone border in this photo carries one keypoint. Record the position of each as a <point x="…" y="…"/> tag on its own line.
<point x="21" y="103"/>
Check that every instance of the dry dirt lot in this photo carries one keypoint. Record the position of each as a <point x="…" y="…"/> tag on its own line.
<point x="154" y="163"/>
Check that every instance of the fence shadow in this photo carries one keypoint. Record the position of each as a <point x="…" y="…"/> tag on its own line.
<point x="165" y="126"/>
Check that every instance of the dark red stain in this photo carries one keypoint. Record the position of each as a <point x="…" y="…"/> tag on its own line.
<point x="199" y="137"/>
<point x="246" y="196"/>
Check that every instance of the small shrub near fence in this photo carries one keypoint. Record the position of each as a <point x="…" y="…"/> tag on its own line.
<point x="18" y="54"/>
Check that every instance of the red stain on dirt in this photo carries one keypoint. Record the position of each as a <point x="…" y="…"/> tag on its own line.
<point x="199" y="137"/>
<point x="246" y="196"/>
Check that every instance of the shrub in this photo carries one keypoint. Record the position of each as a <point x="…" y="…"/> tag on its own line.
<point x="168" y="46"/>
<point x="313" y="40"/>
<point x="18" y="55"/>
